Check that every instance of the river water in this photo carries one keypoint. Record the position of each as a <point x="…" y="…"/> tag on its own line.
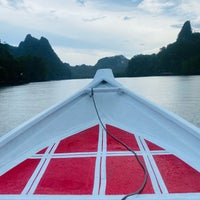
<point x="178" y="94"/>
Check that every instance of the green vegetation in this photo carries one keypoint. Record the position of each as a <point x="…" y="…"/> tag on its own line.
<point x="20" y="70"/>
<point x="9" y="68"/>
<point x="179" y="58"/>
<point x="32" y="68"/>
<point x="35" y="60"/>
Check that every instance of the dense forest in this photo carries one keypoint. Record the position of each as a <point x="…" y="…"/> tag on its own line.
<point x="35" y="60"/>
<point x="9" y="67"/>
<point x="20" y="70"/>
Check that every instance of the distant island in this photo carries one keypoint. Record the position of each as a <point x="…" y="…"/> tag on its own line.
<point x="35" y="60"/>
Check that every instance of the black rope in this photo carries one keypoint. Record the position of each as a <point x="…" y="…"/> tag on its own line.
<point x="126" y="146"/>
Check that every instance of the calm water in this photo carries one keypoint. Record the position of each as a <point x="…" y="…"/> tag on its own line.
<point x="179" y="94"/>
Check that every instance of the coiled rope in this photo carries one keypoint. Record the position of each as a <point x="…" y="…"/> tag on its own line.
<point x="140" y="189"/>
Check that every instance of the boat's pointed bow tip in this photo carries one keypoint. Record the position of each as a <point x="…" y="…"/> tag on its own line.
<point x="104" y="73"/>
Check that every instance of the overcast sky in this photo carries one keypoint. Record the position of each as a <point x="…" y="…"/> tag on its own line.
<point x="83" y="31"/>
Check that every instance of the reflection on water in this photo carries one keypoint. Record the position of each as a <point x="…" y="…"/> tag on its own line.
<point x="179" y="94"/>
<point x="20" y="103"/>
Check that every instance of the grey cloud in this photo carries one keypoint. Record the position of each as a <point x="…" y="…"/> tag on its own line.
<point x="93" y="19"/>
<point x="124" y="3"/>
<point x="178" y="26"/>
<point x="127" y="18"/>
<point x="81" y="2"/>
<point x="196" y="25"/>
<point x="115" y="5"/>
<point x="15" y="3"/>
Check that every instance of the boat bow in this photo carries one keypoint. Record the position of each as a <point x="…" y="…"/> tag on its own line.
<point x="117" y="107"/>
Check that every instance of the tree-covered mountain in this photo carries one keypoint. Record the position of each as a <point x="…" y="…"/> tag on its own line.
<point x="35" y="60"/>
<point x="179" y="58"/>
<point x="118" y="64"/>
<point x="38" y="55"/>
<point x="20" y="70"/>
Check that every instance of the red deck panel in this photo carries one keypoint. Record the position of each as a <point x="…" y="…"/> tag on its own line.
<point x="42" y="151"/>
<point x="178" y="176"/>
<point x="124" y="136"/>
<point x="68" y="176"/>
<point x="125" y="175"/>
<point x="14" y="181"/>
<point x="153" y="146"/>
<point x="85" y="141"/>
